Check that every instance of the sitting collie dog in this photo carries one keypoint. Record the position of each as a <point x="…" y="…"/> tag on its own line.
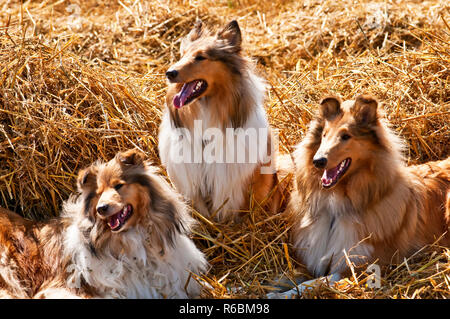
<point x="214" y="107"/>
<point x="125" y="236"/>
<point x="354" y="193"/>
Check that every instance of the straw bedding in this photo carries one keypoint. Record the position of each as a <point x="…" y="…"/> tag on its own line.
<point x="80" y="80"/>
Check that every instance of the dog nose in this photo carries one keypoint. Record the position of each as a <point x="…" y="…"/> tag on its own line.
<point x="320" y="162"/>
<point x="102" y="209"/>
<point x="172" y="74"/>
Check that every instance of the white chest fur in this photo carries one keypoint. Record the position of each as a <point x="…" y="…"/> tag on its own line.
<point x="222" y="181"/>
<point x="326" y="233"/>
<point x="139" y="273"/>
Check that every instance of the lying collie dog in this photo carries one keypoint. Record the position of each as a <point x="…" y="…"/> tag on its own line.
<point x="214" y="139"/>
<point x="125" y="236"/>
<point x="355" y="196"/>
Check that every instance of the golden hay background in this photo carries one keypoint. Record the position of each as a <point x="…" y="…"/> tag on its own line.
<point x="80" y="80"/>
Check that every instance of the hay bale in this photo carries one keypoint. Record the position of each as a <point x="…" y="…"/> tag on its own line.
<point x="59" y="114"/>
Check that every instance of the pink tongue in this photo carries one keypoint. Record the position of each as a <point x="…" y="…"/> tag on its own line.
<point x="180" y="99"/>
<point x="114" y="222"/>
<point x="329" y="174"/>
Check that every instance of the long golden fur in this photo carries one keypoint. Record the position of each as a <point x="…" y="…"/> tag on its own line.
<point x="371" y="207"/>
<point x="123" y="236"/>
<point x="227" y="94"/>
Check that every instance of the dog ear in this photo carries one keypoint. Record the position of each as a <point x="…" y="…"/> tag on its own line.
<point x="365" y="110"/>
<point x="232" y="35"/>
<point x="166" y="211"/>
<point x="165" y="217"/>
<point x="87" y="178"/>
<point x="193" y="35"/>
<point x="131" y="157"/>
<point x="330" y="107"/>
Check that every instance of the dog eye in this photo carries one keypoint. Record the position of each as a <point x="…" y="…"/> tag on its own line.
<point x="200" y="58"/>
<point x="118" y="186"/>
<point x="345" y="137"/>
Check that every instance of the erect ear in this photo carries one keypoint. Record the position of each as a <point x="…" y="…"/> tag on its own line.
<point x="87" y="178"/>
<point x="131" y="157"/>
<point x="365" y="110"/>
<point x="330" y="107"/>
<point x="195" y="33"/>
<point x="232" y="35"/>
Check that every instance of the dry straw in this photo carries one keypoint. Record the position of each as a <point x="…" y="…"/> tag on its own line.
<point x="81" y="80"/>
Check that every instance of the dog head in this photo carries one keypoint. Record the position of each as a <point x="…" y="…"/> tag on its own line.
<point x="346" y="137"/>
<point x="207" y="63"/>
<point x="126" y="192"/>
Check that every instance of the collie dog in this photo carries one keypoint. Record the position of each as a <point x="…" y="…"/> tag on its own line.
<point x="355" y="199"/>
<point x="124" y="236"/>
<point x="215" y="140"/>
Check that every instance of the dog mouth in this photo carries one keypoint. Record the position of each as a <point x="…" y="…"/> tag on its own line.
<point x="189" y="92"/>
<point x="331" y="176"/>
<point x="116" y="221"/>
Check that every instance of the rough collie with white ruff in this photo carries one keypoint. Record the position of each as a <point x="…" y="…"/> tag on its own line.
<point x="214" y="106"/>
<point x="124" y="236"/>
<point x="354" y="194"/>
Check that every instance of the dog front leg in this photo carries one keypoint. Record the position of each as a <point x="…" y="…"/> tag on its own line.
<point x="298" y="290"/>
<point x="201" y="206"/>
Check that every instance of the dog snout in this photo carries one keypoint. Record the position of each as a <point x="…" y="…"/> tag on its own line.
<point x="171" y="74"/>
<point x="102" y="209"/>
<point x="320" y="162"/>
